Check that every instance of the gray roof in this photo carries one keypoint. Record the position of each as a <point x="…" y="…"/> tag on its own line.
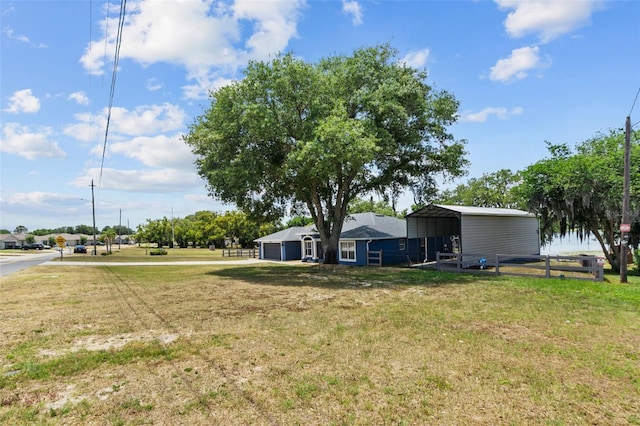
<point x="366" y="226"/>
<point x="438" y="210"/>
<point x="290" y="234"/>
<point x="358" y="226"/>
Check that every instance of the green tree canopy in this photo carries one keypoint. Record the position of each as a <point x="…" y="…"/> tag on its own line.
<point x="299" y="221"/>
<point x="204" y="228"/>
<point x="360" y="205"/>
<point x="323" y="134"/>
<point x="491" y="190"/>
<point x="581" y="190"/>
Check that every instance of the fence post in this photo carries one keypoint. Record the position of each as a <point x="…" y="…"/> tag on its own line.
<point x="437" y="261"/>
<point x="497" y="264"/>
<point x="548" y="267"/>
<point x="458" y="262"/>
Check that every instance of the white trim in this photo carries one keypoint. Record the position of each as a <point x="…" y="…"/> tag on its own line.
<point x="348" y="250"/>
<point x="307" y="251"/>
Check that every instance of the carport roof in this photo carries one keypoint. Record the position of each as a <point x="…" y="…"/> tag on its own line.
<point x="438" y="210"/>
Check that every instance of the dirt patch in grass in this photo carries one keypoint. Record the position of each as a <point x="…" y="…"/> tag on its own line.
<point x="273" y="345"/>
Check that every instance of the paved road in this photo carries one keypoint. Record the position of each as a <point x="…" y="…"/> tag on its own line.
<point x="14" y="263"/>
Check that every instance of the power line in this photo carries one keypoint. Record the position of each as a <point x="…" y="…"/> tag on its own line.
<point x="634" y="101"/>
<point x="123" y="5"/>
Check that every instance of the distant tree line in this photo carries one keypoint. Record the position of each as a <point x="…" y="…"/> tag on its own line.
<point x="205" y="228"/>
<point x="78" y="229"/>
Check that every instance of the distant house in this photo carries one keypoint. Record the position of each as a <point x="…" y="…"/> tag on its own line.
<point x="362" y="233"/>
<point x="12" y="241"/>
<point x="474" y="230"/>
<point x="16" y="241"/>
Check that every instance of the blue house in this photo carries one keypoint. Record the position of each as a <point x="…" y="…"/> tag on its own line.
<point x="365" y="237"/>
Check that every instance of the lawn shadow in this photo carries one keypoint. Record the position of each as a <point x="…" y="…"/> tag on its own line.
<point x="343" y="277"/>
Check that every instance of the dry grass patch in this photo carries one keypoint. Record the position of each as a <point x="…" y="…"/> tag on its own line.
<point x="304" y="344"/>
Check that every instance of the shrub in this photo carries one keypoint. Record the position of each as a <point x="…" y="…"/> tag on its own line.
<point x="158" y="252"/>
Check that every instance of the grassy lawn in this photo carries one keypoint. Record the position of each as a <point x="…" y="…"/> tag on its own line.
<point x="143" y="254"/>
<point x="274" y="344"/>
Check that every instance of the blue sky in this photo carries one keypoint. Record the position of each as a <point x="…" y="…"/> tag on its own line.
<point x="525" y="72"/>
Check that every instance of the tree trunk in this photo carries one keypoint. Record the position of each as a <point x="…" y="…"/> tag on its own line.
<point x="330" y="256"/>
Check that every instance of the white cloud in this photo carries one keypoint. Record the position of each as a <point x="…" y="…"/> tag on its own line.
<point x="153" y="85"/>
<point x="548" y="19"/>
<point x="80" y="98"/>
<point x="20" y="140"/>
<point x="40" y="200"/>
<point x="86" y="130"/>
<point x="274" y="24"/>
<point x="23" y="101"/>
<point x="145" y="181"/>
<point x="417" y="59"/>
<point x="201" y="35"/>
<point x="203" y="84"/>
<point x="147" y="119"/>
<point x="143" y="120"/>
<point x="159" y="151"/>
<point x="8" y="31"/>
<point x="352" y="7"/>
<point x="500" y="112"/>
<point x="518" y="65"/>
<point x="198" y="198"/>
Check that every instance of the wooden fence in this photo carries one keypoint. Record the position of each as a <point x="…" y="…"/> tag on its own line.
<point x="543" y="266"/>
<point x="240" y="252"/>
<point x="374" y="258"/>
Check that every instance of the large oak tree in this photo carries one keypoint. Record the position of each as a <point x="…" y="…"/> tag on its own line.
<point x="293" y="133"/>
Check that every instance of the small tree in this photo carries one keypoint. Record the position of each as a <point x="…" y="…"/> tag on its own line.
<point x="109" y="235"/>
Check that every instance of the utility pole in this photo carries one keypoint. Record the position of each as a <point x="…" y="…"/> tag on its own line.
<point x="173" y="235"/>
<point x="120" y="229"/>
<point x="93" y="209"/>
<point x="624" y="239"/>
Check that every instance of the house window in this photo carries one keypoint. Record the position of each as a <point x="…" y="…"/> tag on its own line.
<point x="308" y="248"/>
<point x="402" y="245"/>
<point x="348" y="251"/>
